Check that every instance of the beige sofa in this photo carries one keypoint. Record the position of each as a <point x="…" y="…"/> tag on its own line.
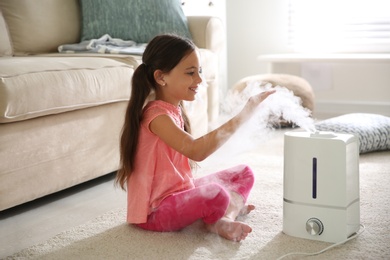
<point x="61" y="114"/>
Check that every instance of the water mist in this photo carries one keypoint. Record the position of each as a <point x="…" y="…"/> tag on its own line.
<point x="282" y="105"/>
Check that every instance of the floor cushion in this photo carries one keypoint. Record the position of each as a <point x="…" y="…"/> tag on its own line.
<point x="298" y="85"/>
<point x="373" y="130"/>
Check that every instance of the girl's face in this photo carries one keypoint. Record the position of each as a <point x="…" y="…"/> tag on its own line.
<point x="182" y="82"/>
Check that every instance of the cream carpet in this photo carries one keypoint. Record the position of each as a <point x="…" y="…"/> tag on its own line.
<point x="109" y="237"/>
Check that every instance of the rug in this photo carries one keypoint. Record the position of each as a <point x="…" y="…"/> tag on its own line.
<point x="109" y="237"/>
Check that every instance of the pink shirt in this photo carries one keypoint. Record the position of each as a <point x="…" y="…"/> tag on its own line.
<point x="159" y="170"/>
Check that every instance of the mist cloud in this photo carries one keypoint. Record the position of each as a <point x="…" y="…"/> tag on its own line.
<point x="283" y="104"/>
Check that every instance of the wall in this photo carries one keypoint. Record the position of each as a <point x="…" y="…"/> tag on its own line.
<point x="254" y="27"/>
<point x="215" y="8"/>
<point x="260" y="27"/>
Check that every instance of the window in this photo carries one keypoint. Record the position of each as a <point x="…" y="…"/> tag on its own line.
<point x="339" y="26"/>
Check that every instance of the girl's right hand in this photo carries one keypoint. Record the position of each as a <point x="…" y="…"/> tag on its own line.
<point x="254" y="101"/>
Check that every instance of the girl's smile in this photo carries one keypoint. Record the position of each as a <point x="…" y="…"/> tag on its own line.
<point x="194" y="89"/>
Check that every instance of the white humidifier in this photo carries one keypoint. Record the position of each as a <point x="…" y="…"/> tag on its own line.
<point x="321" y="185"/>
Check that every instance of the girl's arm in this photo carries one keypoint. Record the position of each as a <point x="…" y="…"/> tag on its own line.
<point x="200" y="148"/>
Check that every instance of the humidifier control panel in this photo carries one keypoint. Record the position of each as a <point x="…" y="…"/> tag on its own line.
<point x="314" y="226"/>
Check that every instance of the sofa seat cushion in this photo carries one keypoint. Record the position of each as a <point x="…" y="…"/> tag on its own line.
<point x="208" y="60"/>
<point x="37" y="86"/>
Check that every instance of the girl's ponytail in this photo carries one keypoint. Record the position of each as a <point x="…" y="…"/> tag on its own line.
<point x="187" y="124"/>
<point x="141" y="88"/>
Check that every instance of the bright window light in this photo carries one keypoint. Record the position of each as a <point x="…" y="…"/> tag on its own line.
<point x="339" y="25"/>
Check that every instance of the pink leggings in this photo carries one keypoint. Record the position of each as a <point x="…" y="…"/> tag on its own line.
<point x="208" y="201"/>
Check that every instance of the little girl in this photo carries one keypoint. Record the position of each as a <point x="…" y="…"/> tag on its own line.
<point x="157" y="149"/>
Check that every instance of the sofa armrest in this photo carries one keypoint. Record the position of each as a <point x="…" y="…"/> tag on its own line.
<point x="207" y="32"/>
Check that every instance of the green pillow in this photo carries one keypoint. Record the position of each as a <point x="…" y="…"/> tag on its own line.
<point x="137" y="20"/>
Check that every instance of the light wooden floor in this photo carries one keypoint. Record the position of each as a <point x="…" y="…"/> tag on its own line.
<point x="35" y="222"/>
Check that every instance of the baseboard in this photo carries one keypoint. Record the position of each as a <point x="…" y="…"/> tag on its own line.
<point x="328" y="108"/>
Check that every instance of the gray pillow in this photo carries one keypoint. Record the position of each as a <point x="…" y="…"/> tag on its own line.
<point x="137" y="20"/>
<point x="372" y="130"/>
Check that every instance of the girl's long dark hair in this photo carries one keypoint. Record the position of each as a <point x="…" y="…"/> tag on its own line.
<point x="163" y="53"/>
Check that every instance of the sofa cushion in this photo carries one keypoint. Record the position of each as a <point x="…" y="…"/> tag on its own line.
<point x="5" y="43"/>
<point x="38" y="86"/>
<point x="208" y="60"/>
<point x="40" y="26"/>
<point x="137" y="20"/>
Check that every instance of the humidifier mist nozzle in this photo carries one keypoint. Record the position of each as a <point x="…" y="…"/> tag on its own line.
<point x="321" y="134"/>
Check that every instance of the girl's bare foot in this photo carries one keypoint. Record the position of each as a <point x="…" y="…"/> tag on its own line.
<point x="246" y="210"/>
<point x="229" y="229"/>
